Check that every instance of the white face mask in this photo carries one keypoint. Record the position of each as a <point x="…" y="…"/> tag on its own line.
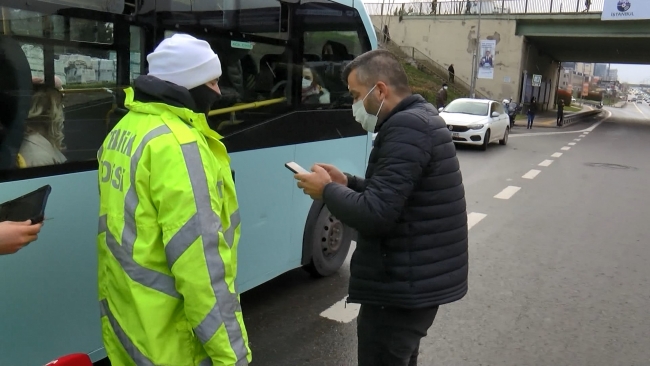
<point x="367" y="121"/>
<point x="445" y="87"/>
<point x="306" y="83"/>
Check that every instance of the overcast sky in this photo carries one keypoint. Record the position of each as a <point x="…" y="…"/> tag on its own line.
<point x="633" y="74"/>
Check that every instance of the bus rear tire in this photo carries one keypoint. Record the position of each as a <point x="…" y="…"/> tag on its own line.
<point x="330" y="243"/>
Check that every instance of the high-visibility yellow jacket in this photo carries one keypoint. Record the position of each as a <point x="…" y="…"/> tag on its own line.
<point x="168" y="234"/>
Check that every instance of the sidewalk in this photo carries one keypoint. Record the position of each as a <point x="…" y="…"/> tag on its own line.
<point x="546" y="119"/>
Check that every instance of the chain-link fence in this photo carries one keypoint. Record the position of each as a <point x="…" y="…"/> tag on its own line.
<point x="469" y="7"/>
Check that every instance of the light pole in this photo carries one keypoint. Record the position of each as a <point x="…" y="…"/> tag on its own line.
<point x="475" y="57"/>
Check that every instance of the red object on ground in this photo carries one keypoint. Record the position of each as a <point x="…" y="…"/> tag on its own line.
<point x="75" y="359"/>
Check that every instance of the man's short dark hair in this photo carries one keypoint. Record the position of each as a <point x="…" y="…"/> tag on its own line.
<point x="378" y="65"/>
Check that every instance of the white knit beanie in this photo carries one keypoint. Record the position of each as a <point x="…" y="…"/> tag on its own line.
<point x="185" y="61"/>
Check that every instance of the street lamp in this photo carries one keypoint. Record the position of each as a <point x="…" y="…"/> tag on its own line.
<point x="475" y="57"/>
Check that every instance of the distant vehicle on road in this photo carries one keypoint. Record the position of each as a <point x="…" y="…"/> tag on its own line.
<point x="476" y="121"/>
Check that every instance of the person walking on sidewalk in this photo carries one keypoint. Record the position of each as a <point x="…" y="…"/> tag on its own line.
<point x="452" y="72"/>
<point x="560" y="113"/>
<point x="532" y="110"/>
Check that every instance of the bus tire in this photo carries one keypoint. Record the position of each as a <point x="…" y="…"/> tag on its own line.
<point x="327" y="242"/>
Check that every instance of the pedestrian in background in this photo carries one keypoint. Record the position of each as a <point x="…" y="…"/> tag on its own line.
<point x="441" y="97"/>
<point x="532" y="111"/>
<point x="452" y="73"/>
<point x="560" y="113"/>
<point x="409" y="212"/>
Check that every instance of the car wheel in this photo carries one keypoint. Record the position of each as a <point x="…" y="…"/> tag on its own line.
<point x="505" y="137"/>
<point x="486" y="140"/>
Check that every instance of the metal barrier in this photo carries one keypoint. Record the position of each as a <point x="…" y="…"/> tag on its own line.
<point x="575" y="117"/>
<point x="465" y="7"/>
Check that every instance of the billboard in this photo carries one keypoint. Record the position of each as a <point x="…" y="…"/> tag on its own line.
<point x="585" y="89"/>
<point x="486" y="62"/>
<point x="626" y="10"/>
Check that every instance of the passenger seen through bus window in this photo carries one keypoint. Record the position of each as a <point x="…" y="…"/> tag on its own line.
<point x="43" y="139"/>
<point x="312" y="88"/>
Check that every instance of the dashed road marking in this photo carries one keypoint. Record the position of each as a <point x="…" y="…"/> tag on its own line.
<point x="577" y="139"/>
<point x="572" y="143"/>
<point x="556" y="155"/>
<point x="583" y="135"/>
<point x="474" y="218"/>
<point x="546" y="163"/>
<point x="507" y="193"/>
<point x="566" y="148"/>
<point x="531" y="174"/>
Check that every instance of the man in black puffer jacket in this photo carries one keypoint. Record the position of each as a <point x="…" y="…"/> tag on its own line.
<point x="409" y="211"/>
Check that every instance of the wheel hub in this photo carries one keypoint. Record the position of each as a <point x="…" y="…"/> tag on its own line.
<point x="332" y="237"/>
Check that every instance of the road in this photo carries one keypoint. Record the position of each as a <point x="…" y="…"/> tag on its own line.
<point x="559" y="269"/>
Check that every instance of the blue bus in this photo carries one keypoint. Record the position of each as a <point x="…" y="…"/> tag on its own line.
<point x="64" y="66"/>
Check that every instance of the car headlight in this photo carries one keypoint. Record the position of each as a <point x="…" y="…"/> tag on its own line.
<point x="475" y="127"/>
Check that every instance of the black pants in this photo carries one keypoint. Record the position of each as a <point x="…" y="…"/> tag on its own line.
<point x="560" y="119"/>
<point x="390" y="336"/>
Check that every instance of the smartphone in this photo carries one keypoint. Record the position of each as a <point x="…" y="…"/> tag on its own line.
<point x="27" y="207"/>
<point x="294" y="167"/>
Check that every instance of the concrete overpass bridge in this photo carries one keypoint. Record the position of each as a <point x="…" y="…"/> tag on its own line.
<point x="532" y="37"/>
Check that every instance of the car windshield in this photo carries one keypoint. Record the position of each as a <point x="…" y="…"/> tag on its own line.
<point x="467" y="107"/>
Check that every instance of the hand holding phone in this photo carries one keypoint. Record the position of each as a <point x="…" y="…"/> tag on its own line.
<point x="295" y="168"/>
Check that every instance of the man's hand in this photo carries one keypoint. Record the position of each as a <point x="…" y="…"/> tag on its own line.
<point x="314" y="183"/>
<point x="15" y="235"/>
<point x="335" y="174"/>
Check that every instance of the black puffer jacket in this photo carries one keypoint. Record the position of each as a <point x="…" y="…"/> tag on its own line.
<point x="410" y="214"/>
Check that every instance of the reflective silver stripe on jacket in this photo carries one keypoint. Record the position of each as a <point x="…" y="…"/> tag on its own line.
<point x="135" y="354"/>
<point x="209" y="225"/>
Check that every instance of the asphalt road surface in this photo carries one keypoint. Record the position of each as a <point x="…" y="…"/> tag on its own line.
<point x="559" y="272"/>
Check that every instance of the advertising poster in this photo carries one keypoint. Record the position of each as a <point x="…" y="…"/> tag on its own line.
<point x="626" y="10"/>
<point x="487" y="49"/>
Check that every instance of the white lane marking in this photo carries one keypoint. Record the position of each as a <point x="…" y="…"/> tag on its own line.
<point x="507" y="193"/>
<point x="474" y="218"/>
<point x="566" y="148"/>
<point x="640" y="111"/>
<point x="591" y="128"/>
<point x="577" y="139"/>
<point x="585" y="133"/>
<point x="572" y="143"/>
<point x="531" y="174"/>
<point x="546" y="163"/>
<point x="556" y="155"/>
<point x="342" y="312"/>
<point x="583" y="136"/>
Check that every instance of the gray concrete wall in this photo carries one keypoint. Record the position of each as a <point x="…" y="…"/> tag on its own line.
<point x="536" y="62"/>
<point x="448" y="40"/>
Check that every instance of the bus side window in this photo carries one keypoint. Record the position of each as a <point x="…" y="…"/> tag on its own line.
<point x="254" y="81"/>
<point x="335" y="49"/>
<point x="74" y="76"/>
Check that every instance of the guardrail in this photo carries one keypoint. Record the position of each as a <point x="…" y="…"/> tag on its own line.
<point x="575" y="117"/>
<point x="465" y="7"/>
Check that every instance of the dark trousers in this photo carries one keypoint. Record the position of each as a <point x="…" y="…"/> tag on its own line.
<point x="451" y="77"/>
<point x="560" y="119"/>
<point x="391" y="336"/>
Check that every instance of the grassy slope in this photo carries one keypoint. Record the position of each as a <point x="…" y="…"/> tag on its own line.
<point x="423" y="84"/>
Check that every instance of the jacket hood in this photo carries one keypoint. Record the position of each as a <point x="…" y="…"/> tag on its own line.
<point x="151" y="89"/>
<point x="151" y="95"/>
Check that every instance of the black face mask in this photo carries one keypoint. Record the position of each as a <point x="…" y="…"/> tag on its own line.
<point x="204" y="98"/>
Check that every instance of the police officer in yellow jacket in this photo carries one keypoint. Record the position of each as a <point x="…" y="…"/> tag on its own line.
<point x="169" y="221"/>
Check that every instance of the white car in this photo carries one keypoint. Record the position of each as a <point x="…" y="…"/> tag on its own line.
<point x="476" y="121"/>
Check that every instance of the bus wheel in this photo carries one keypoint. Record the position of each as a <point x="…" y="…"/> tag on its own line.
<point x="330" y="243"/>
